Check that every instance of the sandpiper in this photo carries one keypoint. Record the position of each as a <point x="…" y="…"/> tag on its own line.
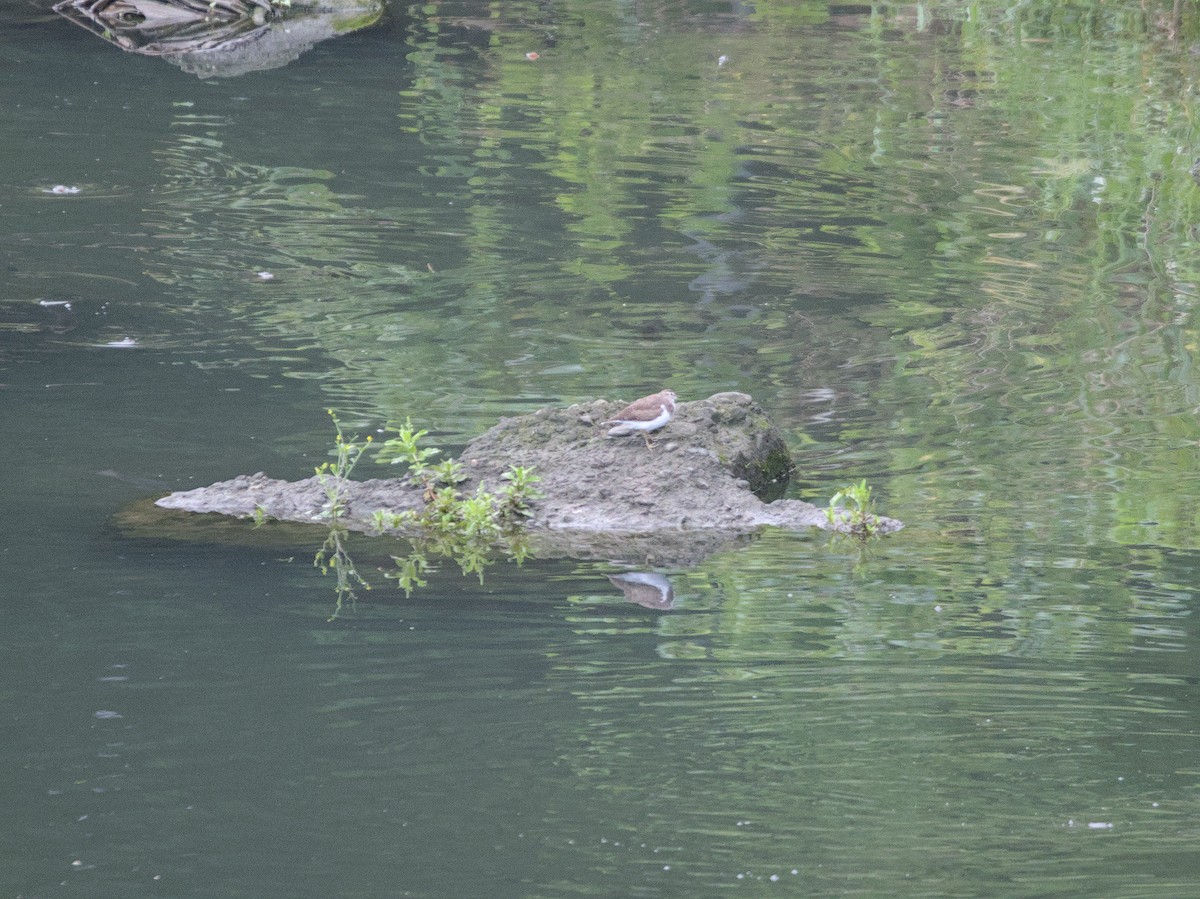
<point x="645" y="415"/>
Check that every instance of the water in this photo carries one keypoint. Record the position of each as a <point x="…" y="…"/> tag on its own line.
<point x="950" y="248"/>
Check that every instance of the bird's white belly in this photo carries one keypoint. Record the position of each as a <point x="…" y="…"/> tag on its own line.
<point x="628" y="427"/>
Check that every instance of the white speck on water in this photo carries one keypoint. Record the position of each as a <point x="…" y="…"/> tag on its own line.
<point x="666" y="867"/>
<point x="1100" y="825"/>
<point x="78" y="863"/>
<point x="123" y="343"/>
<point x="937" y="608"/>
<point x="1153" y="805"/>
<point x="264" y="276"/>
<point x="795" y="870"/>
<point x="773" y="878"/>
<point x="62" y="189"/>
<point x="106" y="713"/>
<point x="722" y="59"/>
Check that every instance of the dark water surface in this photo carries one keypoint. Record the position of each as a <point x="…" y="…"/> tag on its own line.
<point x="952" y="249"/>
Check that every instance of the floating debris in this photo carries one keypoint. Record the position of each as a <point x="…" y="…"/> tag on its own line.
<point x="61" y="189"/>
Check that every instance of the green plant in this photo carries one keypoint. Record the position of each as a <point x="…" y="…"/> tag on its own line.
<point x="519" y="492"/>
<point x="467" y="529"/>
<point x="385" y="521"/>
<point x="404" y="448"/>
<point x="851" y="511"/>
<point x="448" y="472"/>
<point x="335" y="476"/>
<point x="449" y="525"/>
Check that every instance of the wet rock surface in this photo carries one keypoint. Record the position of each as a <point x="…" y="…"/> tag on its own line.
<point x="699" y="489"/>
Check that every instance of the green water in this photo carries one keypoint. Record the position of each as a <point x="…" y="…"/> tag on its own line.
<point x="951" y="248"/>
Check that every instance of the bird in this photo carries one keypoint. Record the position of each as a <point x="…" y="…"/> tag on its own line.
<point x="645" y="415"/>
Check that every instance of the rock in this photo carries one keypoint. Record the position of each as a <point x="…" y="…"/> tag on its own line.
<point x="699" y="489"/>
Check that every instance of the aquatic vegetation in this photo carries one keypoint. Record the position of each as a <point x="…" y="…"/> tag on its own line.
<point x="334" y="475"/>
<point x="451" y="525"/>
<point x="851" y="511"/>
<point x="404" y="448"/>
<point x="467" y="528"/>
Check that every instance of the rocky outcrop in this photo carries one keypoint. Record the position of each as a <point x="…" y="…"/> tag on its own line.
<point x="703" y="485"/>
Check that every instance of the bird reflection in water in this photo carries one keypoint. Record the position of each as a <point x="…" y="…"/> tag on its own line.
<point x="646" y="588"/>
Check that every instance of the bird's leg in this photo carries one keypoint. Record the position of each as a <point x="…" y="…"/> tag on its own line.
<point x="646" y="437"/>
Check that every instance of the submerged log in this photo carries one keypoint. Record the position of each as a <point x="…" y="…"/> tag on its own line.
<point x="699" y="489"/>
